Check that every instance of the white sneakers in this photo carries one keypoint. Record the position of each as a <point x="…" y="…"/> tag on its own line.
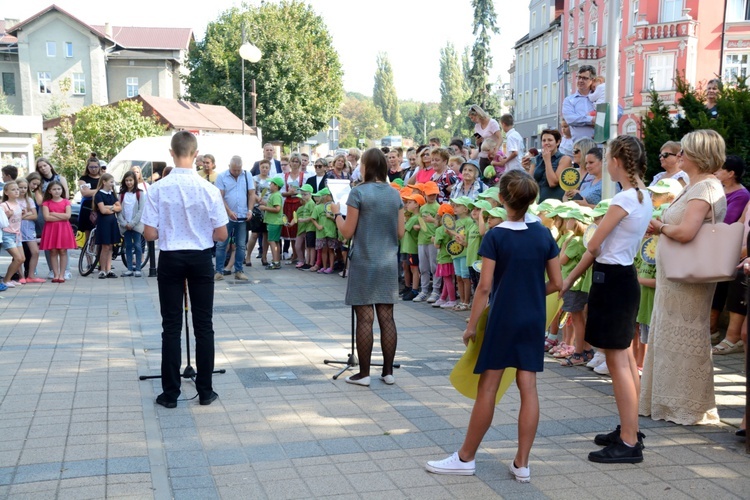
<point x="596" y="360"/>
<point x="434" y="296"/>
<point x="602" y="369"/>
<point x="522" y="474"/>
<point x="452" y="466"/>
<point x="420" y="298"/>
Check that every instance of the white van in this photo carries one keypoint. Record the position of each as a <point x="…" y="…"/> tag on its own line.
<point x="145" y="152"/>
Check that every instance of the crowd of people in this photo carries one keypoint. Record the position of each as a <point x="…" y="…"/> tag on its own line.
<point x="463" y="227"/>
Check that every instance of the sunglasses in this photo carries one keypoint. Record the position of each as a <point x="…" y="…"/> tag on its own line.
<point x="667" y="155"/>
<point x="576" y="151"/>
<point x="318" y="165"/>
<point x="680" y="154"/>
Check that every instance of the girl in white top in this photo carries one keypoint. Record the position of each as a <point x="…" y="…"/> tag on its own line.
<point x="615" y="294"/>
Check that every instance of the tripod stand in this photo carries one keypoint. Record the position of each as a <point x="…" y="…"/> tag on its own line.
<point x="189" y="371"/>
<point x="351" y="361"/>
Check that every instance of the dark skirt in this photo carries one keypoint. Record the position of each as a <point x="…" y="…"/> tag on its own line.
<point x="613" y="306"/>
<point x="107" y="230"/>
<point x="84" y="217"/>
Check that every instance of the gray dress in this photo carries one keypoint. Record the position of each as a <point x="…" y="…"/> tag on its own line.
<point x="373" y="258"/>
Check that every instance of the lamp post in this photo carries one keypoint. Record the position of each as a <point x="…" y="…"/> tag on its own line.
<point x="251" y="53"/>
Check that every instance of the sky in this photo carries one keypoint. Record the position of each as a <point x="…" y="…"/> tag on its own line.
<point x="411" y="32"/>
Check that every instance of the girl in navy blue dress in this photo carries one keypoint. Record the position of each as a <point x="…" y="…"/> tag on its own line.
<point x="106" y="205"/>
<point x="515" y="256"/>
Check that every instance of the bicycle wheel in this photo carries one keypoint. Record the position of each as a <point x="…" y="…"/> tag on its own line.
<point x="144" y="253"/>
<point x="89" y="257"/>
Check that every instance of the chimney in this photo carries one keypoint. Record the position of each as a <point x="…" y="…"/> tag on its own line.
<point x="108" y="30"/>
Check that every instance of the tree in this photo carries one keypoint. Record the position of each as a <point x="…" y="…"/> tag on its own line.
<point x="453" y="93"/>
<point x="384" y="92"/>
<point x="485" y="24"/>
<point x="58" y="105"/>
<point x="5" y="108"/>
<point x="299" y="77"/>
<point x="360" y="119"/>
<point x="102" y="129"/>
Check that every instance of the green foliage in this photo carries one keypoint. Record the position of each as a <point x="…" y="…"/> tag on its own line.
<point x="384" y="92"/>
<point x="661" y="124"/>
<point x="58" y="105"/>
<point x="485" y="24"/>
<point x="453" y="90"/>
<point x="298" y="79"/>
<point x="5" y="108"/>
<point x="101" y="129"/>
<point x="360" y="119"/>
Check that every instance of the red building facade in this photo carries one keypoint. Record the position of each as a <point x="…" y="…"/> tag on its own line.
<point x="658" y="39"/>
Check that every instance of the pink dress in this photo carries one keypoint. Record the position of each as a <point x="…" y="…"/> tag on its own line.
<point x="57" y="235"/>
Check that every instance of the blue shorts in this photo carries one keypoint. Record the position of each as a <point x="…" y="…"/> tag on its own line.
<point x="11" y="240"/>
<point x="460" y="268"/>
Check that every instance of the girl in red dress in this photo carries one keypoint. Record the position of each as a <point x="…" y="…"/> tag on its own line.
<point x="57" y="235"/>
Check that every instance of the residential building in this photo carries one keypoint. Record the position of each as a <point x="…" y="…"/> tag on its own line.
<point x="658" y="40"/>
<point x="534" y="73"/>
<point x="54" y="58"/>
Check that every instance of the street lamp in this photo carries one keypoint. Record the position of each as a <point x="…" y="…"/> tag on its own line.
<point x="250" y="53"/>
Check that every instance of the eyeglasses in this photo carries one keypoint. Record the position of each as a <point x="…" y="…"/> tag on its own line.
<point x="666" y="155"/>
<point x="426" y="155"/>
<point x="583" y="77"/>
<point x="318" y="165"/>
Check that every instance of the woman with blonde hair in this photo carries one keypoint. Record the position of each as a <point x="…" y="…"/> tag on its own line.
<point x="678" y="378"/>
<point x="671" y="164"/>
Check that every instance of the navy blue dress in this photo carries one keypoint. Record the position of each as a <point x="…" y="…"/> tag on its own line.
<point x="514" y="337"/>
<point x="107" y="230"/>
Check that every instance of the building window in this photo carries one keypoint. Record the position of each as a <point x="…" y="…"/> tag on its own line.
<point x="593" y="32"/>
<point x="738" y="10"/>
<point x="661" y="71"/>
<point x="68" y="49"/>
<point x="533" y="20"/>
<point x="555" y="48"/>
<point x="671" y="10"/>
<point x="544" y="15"/>
<point x="553" y="95"/>
<point x="581" y="33"/>
<point x="528" y="61"/>
<point x="536" y="57"/>
<point x="131" y="84"/>
<point x="51" y="49"/>
<point x="79" y="84"/>
<point x="520" y="63"/>
<point x="45" y="82"/>
<point x="9" y="84"/>
<point x="535" y="99"/>
<point x="527" y="102"/>
<point x="630" y="79"/>
<point x="545" y="51"/>
<point x="735" y="65"/>
<point x="545" y="96"/>
<point x="631" y="128"/>
<point x="633" y="16"/>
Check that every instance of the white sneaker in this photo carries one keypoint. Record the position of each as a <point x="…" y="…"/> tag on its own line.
<point x="434" y="296"/>
<point x="67" y="275"/>
<point x="51" y="275"/>
<point x="449" y="305"/>
<point x="420" y="298"/>
<point x="438" y="303"/>
<point x="522" y="474"/>
<point x="137" y="274"/>
<point x="596" y="360"/>
<point x="451" y="465"/>
<point x="602" y="369"/>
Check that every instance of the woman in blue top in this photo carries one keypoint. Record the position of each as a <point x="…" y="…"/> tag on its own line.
<point x="549" y="164"/>
<point x="515" y="256"/>
<point x="589" y="193"/>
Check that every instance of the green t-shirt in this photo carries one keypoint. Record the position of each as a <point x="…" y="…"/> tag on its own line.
<point x="304" y="211"/>
<point x="316" y="214"/>
<point x="562" y="239"/>
<point x="473" y="241"/>
<point x="427" y="230"/>
<point x="646" y="305"/>
<point x="409" y="241"/>
<point x="462" y="223"/>
<point x="442" y="238"/>
<point x="274" y="200"/>
<point x="329" y="225"/>
<point x="574" y="251"/>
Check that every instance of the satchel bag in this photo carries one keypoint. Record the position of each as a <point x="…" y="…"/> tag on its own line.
<point x="711" y="256"/>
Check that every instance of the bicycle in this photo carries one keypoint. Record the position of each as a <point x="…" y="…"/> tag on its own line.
<point x="90" y="252"/>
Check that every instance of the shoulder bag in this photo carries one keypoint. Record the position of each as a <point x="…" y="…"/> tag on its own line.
<point x="711" y="256"/>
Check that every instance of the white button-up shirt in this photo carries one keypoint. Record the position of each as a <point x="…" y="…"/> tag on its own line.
<point x="185" y="209"/>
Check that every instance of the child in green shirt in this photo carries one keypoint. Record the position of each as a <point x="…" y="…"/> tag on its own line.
<point x="325" y="231"/>
<point x="273" y="218"/>
<point x="460" y="262"/>
<point x="305" y="228"/>
<point x="444" y="268"/>
<point x="409" y="247"/>
<point x="426" y="249"/>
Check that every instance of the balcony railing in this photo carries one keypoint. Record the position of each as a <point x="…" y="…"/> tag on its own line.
<point x="663" y="31"/>
<point x="589" y="52"/>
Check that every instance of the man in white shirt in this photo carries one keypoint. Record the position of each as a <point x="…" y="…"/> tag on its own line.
<point x="186" y="214"/>
<point x="577" y="107"/>
<point x="513" y="145"/>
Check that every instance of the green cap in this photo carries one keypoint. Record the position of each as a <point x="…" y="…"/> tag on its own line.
<point x="548" y="205"/>
<point x="562" y="208"/>
<point x="498" y="212"/>
<point x="462" y="200"/>
<point x="582" y="214"/>
<point x="492" y="192"/>
<point x="483" y="204"/>
<point x="666" y="186"/>
<point x="533" y="208"/>
<point x="306" y="188"/>
<point x="399" y="181"/>
<point x="278" y="182"/>
<point x="323" y="192"/>
<point x="600" y="209"/>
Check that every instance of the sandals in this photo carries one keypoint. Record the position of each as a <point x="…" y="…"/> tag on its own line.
<point x="565" y="352"/>
<point x="461" y="307"/>
<point x="727" y="347"/>
<point x="549" y="344"/>
<point x="554" y="350"/>
<point x="578" y="358"/>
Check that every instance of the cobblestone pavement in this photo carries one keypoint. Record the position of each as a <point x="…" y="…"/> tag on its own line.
<point x="76" y="422"/>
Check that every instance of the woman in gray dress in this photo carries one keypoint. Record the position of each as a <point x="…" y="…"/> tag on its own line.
<point x="375" y="221"/>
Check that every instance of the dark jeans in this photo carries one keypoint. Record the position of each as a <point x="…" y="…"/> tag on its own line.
<point x="195" y="267"/>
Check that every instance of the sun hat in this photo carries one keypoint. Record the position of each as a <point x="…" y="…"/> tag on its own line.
<point x="498" y="212"/>
<point x="415" y="197"/>
<point x="445" y="208"/>
<point x="430" y="188"/>
<point x="278" y="182"/>
<point x="472" y="163"/>
<point x="462" y="200"/>
<point x="323" y="192"/>
<point x="492" y="192"/>
<point x="483" y="204"/>
<point x="666" y="186"/>
<point x="600" y="209"/>
<point x="306" y="188"/>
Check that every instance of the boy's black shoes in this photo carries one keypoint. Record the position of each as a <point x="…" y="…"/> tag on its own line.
<point x="618" y="453"/>
<point x="608" y="439"/>
<point x="209" y="400"/>
<point x="165" y="402"/>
